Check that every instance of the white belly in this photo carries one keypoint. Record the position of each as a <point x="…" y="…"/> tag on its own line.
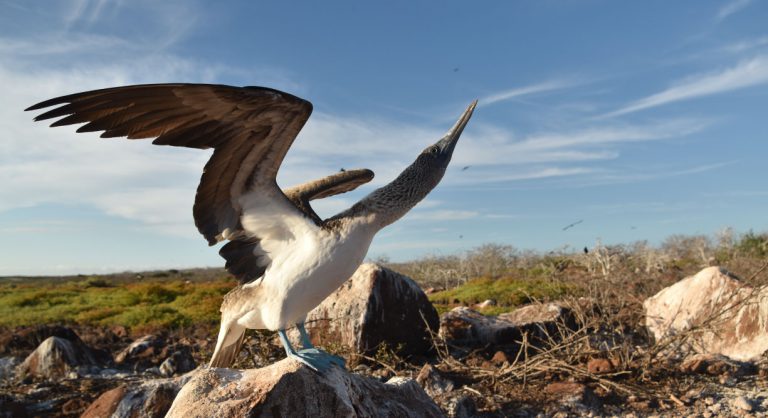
<point x="306" y="272"/>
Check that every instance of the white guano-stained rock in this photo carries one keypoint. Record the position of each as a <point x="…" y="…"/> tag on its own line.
<point x="290" y="389"/>
<point x="719" y="313"/>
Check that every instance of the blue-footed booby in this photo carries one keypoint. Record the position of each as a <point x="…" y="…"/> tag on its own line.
<point x="286" y="258"/>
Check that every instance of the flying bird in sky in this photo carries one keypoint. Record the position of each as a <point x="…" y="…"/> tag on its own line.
<point x="286" y="258"/>
<point x="569" y="226"/>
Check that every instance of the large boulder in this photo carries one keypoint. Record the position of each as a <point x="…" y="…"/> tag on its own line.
<point x="376" y="306"/>
<point x="712" y="312"/>
<point x="149" y="399"/>
<point x="289" y="389"/>
<point x="463" y="326"/>
<point x="57" y="357"/>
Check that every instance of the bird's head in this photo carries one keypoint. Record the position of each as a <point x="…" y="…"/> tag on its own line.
<point x="433" y="161"/>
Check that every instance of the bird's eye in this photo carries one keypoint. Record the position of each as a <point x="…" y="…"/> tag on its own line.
<point x="434" y="150"/>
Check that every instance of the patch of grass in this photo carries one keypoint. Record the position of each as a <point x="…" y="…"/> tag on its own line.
<point x="507" y="292"/>
<point x="100" y="301"/>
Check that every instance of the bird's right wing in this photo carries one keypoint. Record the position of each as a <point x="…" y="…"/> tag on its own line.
<point x="337" y="183"/>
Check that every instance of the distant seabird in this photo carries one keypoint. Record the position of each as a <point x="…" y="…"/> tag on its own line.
<point x="286" y="258"/>
<point x="569" y="226"/>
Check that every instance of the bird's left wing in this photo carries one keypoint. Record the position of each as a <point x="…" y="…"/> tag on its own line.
<point x="249" y="128"/>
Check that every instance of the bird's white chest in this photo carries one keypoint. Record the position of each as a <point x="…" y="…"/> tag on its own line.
<point x="312" y="268"/>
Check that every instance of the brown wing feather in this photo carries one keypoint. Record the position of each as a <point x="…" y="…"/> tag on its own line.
<point x="250" y="129"/>
<point x="337" y="183"/>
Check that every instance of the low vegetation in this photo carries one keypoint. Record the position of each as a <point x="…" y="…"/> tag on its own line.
<point x="146" y="302"/>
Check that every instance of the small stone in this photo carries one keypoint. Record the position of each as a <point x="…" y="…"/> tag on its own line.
<point x="742" y="403"/>
<point x="499" y="358"/>
<point x="600" y="366"/>
<point x="433" y="382"/>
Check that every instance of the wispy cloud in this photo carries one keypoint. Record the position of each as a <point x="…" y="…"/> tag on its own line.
<point x="525" y="91"/>
<point x="745" y="74"/>
<point x="87" y="11"/>
<point x="730" y="8"/>
<point x="746" y="45"/>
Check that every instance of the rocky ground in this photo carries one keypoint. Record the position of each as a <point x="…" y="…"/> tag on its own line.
<point x="566" y="358"/>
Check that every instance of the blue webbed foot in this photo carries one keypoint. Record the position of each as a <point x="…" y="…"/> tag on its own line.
<point x="314" y="358"/>
<point x="317" y="360"/>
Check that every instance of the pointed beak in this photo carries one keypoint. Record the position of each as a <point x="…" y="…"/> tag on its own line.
<point x="448" y="143"/>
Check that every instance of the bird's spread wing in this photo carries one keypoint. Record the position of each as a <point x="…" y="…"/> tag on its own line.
<point x="337" y="183"/>
<point x="249" y="128"/>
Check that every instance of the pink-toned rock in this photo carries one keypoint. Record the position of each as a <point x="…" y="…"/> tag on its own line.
<point x="375" y="306"/>
<point x="722" y="315"/>
<point x="149" y="399"/>
<point x="289" y="389"/>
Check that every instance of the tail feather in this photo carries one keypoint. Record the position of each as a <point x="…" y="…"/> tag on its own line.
<point x="228" y="346"/>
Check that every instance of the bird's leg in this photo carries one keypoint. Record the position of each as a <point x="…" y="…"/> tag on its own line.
<point x="317" y="360"/>
<point x="306" y="342"/>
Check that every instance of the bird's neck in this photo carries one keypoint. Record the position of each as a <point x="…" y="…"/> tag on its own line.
<point x="387" y="204"/>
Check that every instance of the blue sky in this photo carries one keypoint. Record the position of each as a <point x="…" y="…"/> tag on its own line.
<point x="643" y="119"/>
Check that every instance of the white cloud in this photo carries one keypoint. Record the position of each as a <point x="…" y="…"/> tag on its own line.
<point x="524" y="91"/>
<point x="731" y="7"/>
<point x="745" y="74"/>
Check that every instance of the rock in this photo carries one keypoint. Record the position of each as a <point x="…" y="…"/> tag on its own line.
<point x="714" y="364"/>
<point x="376" y="306"/>
<point x="462" y="407"/>
<point x="466" y="327"/>
<point x="143" y="352"/>
<point x="742" y="403"/>
<point x="151" y="398"/>
<point x="499" y="358"/>
<point x="56" y="357"/>
<point x="433" y="382"/>
<point x="180" y="361"/>
<point x="7" y="368"/>
<point x="731" y="318"/>
<point x="289" y="389"/>
<point x="600" y="366"/>
<point x="105" y="404"/>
